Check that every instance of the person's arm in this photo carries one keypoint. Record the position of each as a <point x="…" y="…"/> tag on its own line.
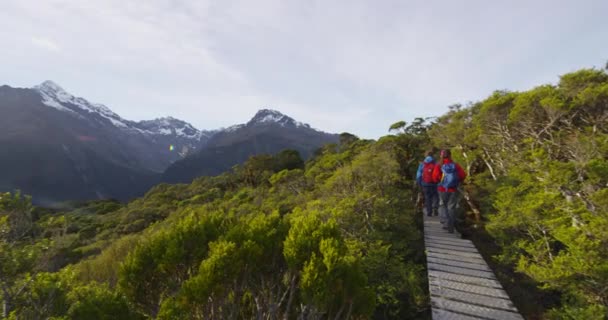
<point x="419" y="174"/>
<point x="461" y="173"/>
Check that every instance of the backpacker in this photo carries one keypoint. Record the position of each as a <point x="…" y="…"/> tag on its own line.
<point x="450" y="176"/>
<point x="427" y="172"/>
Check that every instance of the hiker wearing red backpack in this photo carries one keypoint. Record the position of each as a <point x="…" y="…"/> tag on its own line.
<point x="448" y="175"/>
<point x="425" y="180"/>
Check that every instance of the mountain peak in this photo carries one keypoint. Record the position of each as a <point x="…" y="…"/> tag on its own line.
<point x="170" y="121"/>
<point x="265" y="112"/>
<point x="50" y="85"/>
<point x="51" y="88"/>
<point x="267" y="116"/>
<point x="171" y="126"/>
<point x="54" y="96"/>
<point x="271" y="116"/>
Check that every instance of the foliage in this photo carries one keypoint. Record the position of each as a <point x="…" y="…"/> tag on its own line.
<point x="538" y="169"/>
<point x="336" y="236"/>
<point x="274" y="238"/>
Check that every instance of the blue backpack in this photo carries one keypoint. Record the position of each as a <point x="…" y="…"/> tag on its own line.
<point x="450" y="176"/>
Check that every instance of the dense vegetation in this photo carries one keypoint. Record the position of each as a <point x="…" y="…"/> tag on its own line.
<point x="275" y="238"/>
<point x="539" y="177"/>
<point x="337" y="237"/>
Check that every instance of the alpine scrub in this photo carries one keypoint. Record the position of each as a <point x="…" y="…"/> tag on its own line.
<point x="539" y="178"/>
<point x="338" y="236"/>
<point x="334" y="237"/>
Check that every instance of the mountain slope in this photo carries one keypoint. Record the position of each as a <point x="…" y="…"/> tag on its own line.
<point x="268" y="132"/>
<point x="60" y="147"/>
<point x="148" y="142"/>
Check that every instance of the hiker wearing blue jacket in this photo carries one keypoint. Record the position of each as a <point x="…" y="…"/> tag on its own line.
<point x="424" y="177"/>
<point x="449" y="175"/>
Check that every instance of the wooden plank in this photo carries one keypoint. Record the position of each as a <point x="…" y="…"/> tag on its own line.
<point x="465" y="279"/>
<point x="453" y="252"/>
<point x="454" y="257"/>
<point x="473" y="310"/>
<point x="467" y="297"/>
<point x="451" y="240"/>
<point x="461" y="271"/>
<point x="449" y="247"/>
<point x="460" y="264"/>
<point x="443" y="235"/>
<point x="439" y="314"/>
<point x="461" y="284"/>
<point x="452" y="246"/>
<point x="467" y="287"/>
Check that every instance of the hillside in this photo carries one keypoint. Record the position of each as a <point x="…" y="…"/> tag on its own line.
<point x="273" y="237"/>
<point x="339" y="235"/>
<point x="538" y="162"/>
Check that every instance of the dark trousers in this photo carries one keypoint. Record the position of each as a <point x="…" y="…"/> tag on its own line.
<point x="447" y="203"/>
<point x="431" y="199"/>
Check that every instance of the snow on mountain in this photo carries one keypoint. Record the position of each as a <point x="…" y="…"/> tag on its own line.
<point x="164" y="128"/>
<point x="265" y="117"/>
<point x="233" y="128"/>
<point x="54" y="96"/>
<point x="170" y="126"/>
<point x="269" y="116"/>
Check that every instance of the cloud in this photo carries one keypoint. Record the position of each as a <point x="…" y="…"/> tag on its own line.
<point x="45" y="43"/>
<point x="353" y="65"/>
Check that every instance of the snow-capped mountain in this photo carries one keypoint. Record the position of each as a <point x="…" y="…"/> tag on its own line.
<point x="266" y="117"/>
<point x="173" y="137"/>
<point x="55" y="97"/>
<point x="58" y="146"/>
<point x="269" y="116"/>
<point x="265" y="121"/>
<point x="269" y="131"/>
<point x="169" y="126"/>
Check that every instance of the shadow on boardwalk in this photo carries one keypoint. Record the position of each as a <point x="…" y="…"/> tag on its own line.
<point x="461" y="284"/>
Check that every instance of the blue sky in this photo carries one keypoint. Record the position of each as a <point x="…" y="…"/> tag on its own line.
<point x="355" y="66"/>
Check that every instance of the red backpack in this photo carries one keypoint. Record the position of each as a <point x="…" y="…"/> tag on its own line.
<point x="427" y="172"/>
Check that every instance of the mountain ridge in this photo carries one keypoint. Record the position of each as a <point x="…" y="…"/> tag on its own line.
<point x="65" y="147"/>
<point x="267" y="132"/>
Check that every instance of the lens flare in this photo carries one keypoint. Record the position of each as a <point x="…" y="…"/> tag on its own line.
<point x="171" y="147"/>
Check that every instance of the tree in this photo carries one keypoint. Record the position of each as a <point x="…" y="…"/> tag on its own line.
<point x="347" y="138"/>
<point x="397" y="126"/>
<point x="537" y="161"/>
<point x="288" y="160"/>
<point x="158" y="267"/>
<point x="18" y="253"/>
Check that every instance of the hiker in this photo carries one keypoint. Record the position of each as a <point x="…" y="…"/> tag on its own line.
<point x="448" y="175"/>
<point x="424" y="177"/>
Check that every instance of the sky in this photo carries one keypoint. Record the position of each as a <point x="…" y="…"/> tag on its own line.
<point x="342" y="65"/>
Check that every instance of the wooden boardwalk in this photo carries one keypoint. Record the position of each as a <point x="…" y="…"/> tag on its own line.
<point x="461" y="284"/>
